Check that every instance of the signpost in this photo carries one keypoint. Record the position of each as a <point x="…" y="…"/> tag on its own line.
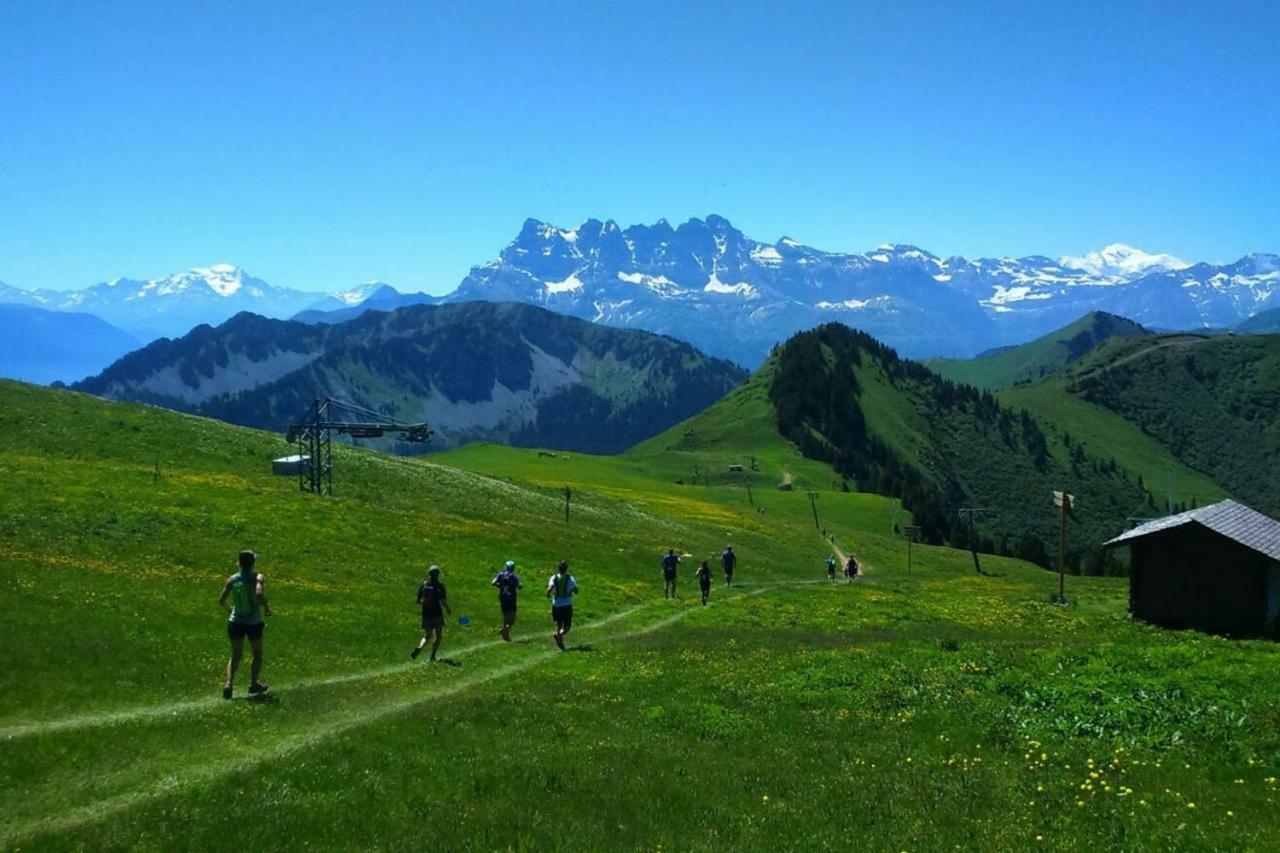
<point x="1064" y="501"/>
<point x="912" y="533"/>
<point x="813" y="503"/>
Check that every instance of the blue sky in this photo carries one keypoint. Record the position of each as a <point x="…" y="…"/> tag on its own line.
<point x="319" y="145"/>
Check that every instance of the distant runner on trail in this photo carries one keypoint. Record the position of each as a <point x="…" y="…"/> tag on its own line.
<point x="435" y="603"/>
<point x="508" y="584"/>
<point x="851" y="568"/>
<point x="831" y="568"/>
<point x="670" y="563"/>
<point x="728" y="560"/>
<point x="561" y="589"/>
<point x="247" y="591"/>
<point x="704" y="581"/>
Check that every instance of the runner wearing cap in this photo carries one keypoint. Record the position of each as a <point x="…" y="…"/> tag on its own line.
<point x="435" y="603"/>
<point x="508" y="584"/>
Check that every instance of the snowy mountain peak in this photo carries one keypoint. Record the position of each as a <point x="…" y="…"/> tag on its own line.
<point x="222" y="279"/>
<point x="1119" y="262"/>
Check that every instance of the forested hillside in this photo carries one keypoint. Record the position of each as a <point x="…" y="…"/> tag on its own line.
<point x="1212" y="401"/>
<point x="894" y="427"/>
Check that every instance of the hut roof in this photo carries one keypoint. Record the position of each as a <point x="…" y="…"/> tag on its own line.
<point x="1227" y="518"/>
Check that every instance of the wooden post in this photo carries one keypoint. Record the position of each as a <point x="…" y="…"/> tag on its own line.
<point x="813" y="503"/>
<point x="1064" y="502"/>
<point x="566" y="504"/>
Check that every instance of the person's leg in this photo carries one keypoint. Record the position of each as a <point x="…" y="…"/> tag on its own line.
<point x="237" y="650"/>
<point x="435" y="645"/>
<point x="255" y="644"/>
<point x="417" y="650"/>
<point x="558" y="636"/>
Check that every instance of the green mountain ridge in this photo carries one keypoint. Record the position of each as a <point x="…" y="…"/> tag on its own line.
<point x="507" y="372"/>
<point x="1035" y="360"/>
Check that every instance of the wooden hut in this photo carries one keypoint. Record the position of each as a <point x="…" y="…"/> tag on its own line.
<point x="1215" y="569"/>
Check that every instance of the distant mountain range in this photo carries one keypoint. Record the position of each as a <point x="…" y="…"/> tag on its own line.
<point x="37" y="345"/>
<point x="512" y="373"/>
<point x="707" y="283"/>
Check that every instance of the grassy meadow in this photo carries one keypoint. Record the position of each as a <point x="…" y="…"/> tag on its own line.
<point x="921" y="710"/>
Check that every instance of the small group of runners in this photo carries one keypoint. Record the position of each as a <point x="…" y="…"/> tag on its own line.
<point x="851" y="568"/>
<point x="670" y="565"/>
<point x="432" y="596"/>
<point x="244" y="597"/>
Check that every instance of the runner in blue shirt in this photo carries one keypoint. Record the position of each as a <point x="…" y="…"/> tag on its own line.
<point x="670" y="563"/>
<point x="508" y="584"/>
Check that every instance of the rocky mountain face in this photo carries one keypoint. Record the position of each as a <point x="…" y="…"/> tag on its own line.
<point x="707" y="283"/>
<point x="478" y="371"/>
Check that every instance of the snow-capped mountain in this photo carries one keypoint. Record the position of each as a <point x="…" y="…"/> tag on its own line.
<point x="1121" y="263"/>
<point x="707" y="283"/>
<point x="173" y="305"/>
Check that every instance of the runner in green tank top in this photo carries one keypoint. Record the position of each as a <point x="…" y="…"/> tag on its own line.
<point x="247" y="591"/>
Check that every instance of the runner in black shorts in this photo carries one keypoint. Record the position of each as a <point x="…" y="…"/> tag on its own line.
<point x="435" y="603"/>
<point x="247" y="591"/>
<point x="670" y="565"/>
<point x="561" y="589"/>
<point x="728" y="561"/>
<point x="508" y="584"/>
<point x="704" y="581"/>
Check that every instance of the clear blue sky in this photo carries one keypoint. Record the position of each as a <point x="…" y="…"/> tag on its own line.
<point x="319" y="144"/>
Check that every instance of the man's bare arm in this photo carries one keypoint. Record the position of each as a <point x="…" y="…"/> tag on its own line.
<point x="226" y="590"/>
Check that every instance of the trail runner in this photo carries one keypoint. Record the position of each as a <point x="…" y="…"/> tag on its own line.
<point x="508" y="584"/>
<point x="247" y="591"/>
<point x="434" y="599"/>
<point x="561" y="589"/>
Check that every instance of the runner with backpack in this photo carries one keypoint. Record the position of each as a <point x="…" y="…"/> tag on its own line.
<point x="247" y="591"/>
<point x="508" y="584"/>
<point x="851" y="568"/>
<point x="561" y="589"/>
<point x="831" y="568"/>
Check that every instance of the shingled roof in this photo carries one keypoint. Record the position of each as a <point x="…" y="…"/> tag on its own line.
<point x="1227" y="518"/>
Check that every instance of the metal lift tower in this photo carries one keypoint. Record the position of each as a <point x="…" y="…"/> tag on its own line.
<point x="314" y="437"/>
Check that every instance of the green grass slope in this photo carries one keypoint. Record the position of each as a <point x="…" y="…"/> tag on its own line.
<point x="917" y="709"/>
<point x="1039" y="358"/>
